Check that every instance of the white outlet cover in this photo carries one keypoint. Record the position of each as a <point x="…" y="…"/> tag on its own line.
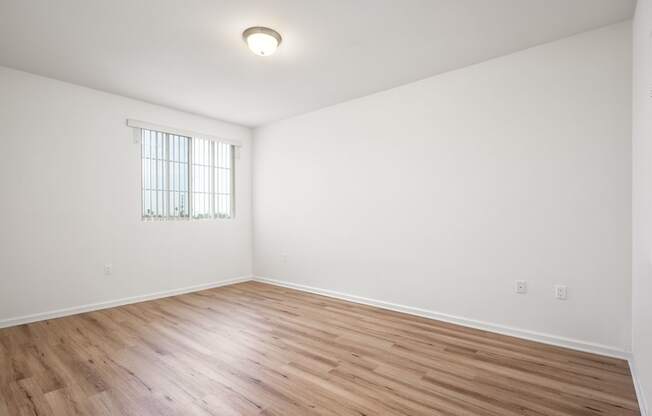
<point x="561" y="292"/>
<point x="520" y="286"/>
<point x="108" y="269"/>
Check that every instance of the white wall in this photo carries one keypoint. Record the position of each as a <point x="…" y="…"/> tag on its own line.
<point x="441" y="193"/>
<point x="642" y="197"/>
<point x="70" y="192"/>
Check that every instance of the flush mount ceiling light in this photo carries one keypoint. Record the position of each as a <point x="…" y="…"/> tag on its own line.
<point x="262" y="41"/>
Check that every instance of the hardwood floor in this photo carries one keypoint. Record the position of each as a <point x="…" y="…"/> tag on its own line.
<point x="256" y="349"/>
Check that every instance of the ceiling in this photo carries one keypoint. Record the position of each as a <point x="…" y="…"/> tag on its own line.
<point x="189" y="54"/>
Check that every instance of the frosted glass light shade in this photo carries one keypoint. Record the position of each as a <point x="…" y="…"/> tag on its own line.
<point x="261" y="40"/>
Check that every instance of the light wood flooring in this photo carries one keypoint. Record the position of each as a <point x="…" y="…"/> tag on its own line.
<point x="256" y="349"/>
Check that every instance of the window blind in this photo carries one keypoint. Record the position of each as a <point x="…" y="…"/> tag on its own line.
<point x="186" y="177"/>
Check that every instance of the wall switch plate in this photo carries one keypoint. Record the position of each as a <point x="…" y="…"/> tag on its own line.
<point x="108" y="269"/>
<point x="284" y="258"/>
<point x="521" y="286"/>
<point x="561" y="292"/>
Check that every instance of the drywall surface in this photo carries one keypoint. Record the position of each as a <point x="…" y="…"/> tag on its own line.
<point x="441" y="193"/>
<point x="70" y="181"/>
<point x="642" y="198"/>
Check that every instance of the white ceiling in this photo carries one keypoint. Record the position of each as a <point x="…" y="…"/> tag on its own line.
<point x="189" y="54"/>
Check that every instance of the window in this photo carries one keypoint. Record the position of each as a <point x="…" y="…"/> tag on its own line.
<point x="185" y="177"/>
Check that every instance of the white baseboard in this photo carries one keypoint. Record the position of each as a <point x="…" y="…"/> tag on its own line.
<point x="642" y="403"/>
<point x="4" y="323"/>
<point x="472" y="323"/>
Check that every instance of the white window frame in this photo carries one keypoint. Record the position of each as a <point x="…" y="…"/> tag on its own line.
<point x="139" y="126"/>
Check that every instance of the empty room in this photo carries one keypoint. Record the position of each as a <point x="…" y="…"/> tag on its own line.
<point x="326" y="207"/>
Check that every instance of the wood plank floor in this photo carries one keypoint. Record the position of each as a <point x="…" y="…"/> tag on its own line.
<point x="256" y="349"/>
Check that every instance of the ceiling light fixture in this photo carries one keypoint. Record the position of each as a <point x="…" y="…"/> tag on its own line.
<point x="262" y="41"/>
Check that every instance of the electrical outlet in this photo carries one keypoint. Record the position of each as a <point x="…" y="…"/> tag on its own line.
<point x="284" y="258"/>
<point x="561" y="292"/>
<point x="108" y="269"/>
<point x="521" y="286"/>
